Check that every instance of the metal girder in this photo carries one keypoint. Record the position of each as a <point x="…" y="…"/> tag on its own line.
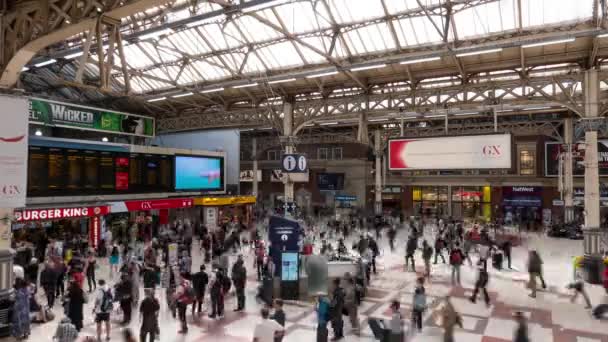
<point x="479" y="94"/>
<point x="30" y="26"/>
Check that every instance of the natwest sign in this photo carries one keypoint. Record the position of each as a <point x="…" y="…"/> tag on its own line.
<point x="168" y="203"/>
<point x="59" y="213"/>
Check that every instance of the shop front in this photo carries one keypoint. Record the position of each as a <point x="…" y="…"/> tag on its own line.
<point x="222" y="210"/>
<point x="459" y="202"/>
<point x="79" y="227"/>
<point x="522" y="204"/>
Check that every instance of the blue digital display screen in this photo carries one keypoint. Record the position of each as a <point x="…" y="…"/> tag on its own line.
<point x="289" y="266"/>
<point x="199" y="173"/>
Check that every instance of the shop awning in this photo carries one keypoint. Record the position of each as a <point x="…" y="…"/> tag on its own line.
<point x="219" y="201"/>
<point x="58" y="213"/>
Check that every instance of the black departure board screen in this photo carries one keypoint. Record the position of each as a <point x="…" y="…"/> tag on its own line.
<point x="152" y="173"/>
<point x="166" y="178"/>
<point x="91" y="169"/>
<point x="37" y="169"/>
<point x="75" y="168"/>
<point x="57" y="169"/>
<point x="135" y="172"/>
<point x="106" y="170"/>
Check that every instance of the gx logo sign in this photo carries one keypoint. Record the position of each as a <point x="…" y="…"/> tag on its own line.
<point x="492" y="150"/>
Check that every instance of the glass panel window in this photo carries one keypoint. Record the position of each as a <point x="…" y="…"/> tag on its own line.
<point x="273" y="155"/>
<point x="336" y="153"/>
<point x="322" y="153"/>
<point x="527" y="162"/>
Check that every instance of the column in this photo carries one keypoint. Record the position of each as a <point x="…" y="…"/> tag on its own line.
<point x="6" y="255"/>
<point x="362" y="131"/>
<point x="568" y="187"/>
<point x="449" y="200"/>
<point x="378" y="173"/>
<point x="591" y="232"/>
<point x="288" y="139"/>
<point x="254" y="154"/>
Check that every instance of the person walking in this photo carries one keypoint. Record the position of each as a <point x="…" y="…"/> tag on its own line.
<point x="239" y="279"/>
<point x="506" y="249"/>
<point x="337" y="306"/>
<point x="184" y="295"/>
<point x="439" y="246"/>
<point x="215" y="294"/>
<point x="456" y="258"/>
<point x="323" y="309"/>
<point x="427" y="254"/>
<point x="66" y="331"/>
<point x="124" y="292"/>
<point x="103" y="308"/>
<point x="148" y="310"/>
<point x="419" y="304"/>
<point x="20" y="320"/>
<point x="481" y="283"/>
<point x="410" y="249"/>
<point x="450" y="319"/>
<point x="199" y="282"/>
<point x="535" y="270"/>
<point x="392" y="233"/>
<point x="90" y="265"/>
<point x="350" y="302"/>
<point x="75" y="302"/>
<point x="578" y="285"/>
<point x="48" y="282"/>
<point x="114" y="260"/>
<point x="521" y="331"/>
<point x="373" y="246"/>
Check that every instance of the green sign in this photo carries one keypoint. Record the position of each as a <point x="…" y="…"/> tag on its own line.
<point x="59" y="114"/>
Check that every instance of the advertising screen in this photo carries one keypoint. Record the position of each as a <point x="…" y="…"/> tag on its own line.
<point x="491" y="151"/>
<point x="330" y="181"/>
<point x="554" y="149"/>
<point x="289" y="266"/>
<point x="199" y="173"/>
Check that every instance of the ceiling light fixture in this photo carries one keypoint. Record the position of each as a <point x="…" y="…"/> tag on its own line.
<point x="328" y="123"/>
<point x="157" y="99"/>
<point x="212" y="90"/>
<point x="537" y="108"/>
<point x="25" y="69"/>
<point x="329" y="73"/>
<point x="182" y="95"/>
<point x="73" y="55"/>
<point x="38" y="133"/>
<point x="282" y="81"/>
<point x="480" y="52"/>
<point x="603" y="35"/>
<point x="45" y="63"/>
<point x="568" y="40"/>
<point x="421" y="60"/>
<point x="434" y="116"/>
<point x="265" y="5"/>
<point x="377" y="120"/>
<point x="245" y="85"/>
<point x="369" y="67"/>
<point x="104" y="139"/>
<point x="155" y="34"/>
<point x="463" y="114"/>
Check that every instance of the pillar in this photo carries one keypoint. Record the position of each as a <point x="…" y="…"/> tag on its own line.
<point x="378" y="173"/>
<point x="254" y="154"/>
<point x="449" y="201"/>
<point x="289" y="148"/>
<point x="568" y="181"/>
<point x="591" y="231"/>
<point x="446" y="123"/>
<point x="362" y="131"/>
<point x="6" y="255"/>
<point x="495" y="114"/>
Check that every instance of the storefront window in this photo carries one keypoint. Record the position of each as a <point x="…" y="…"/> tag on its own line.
<point x="471" y="202"/>
<point x="527" y="162"/>
<point x="431" y="200"/>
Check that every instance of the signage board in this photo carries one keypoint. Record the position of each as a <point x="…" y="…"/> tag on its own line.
<point x="94" y="231"/>
<point x="279" y="176"/>
<point x="554" y="149"/>
<point x="59" y="213"/>
<point x="294" y="163"/>
<point x="247" y="176"/>
<point x="61" y="114"/>
<point x="345" y="198"/>
<point x="154" y="204"/>
<point x="13" y="152"/>
<point x="491" y="151"/>
<point x="210" y="217"/>
<point x="289" y="266"/>
<point x="284" y="236"/>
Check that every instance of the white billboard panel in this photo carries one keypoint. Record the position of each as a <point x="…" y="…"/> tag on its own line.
<point x="279" y="176"/>
<point x="451" y="153"/>
<point x="13" y="151"/>
<point x="247" y="176"/>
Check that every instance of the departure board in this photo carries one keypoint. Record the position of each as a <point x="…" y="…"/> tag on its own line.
<point x="75" y="168"/>
<point x="122" y="172"/>
<point x="166" y="178"/>
<point x="57" y="169"/>
<point x="106" y="171"/>
<point x="152" y="174"/>
<point x="135" y="172"/>
<point x="37" y="169"/>
<point x="91" y="169"/>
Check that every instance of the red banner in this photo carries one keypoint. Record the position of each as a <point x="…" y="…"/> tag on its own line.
<point x="94" y="231"/>
<point x="59" y="213"/>
<point x="168" y="203"/>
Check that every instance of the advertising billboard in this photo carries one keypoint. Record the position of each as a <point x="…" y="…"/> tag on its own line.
<point x="280" y="176"/>
<point x="247" y="176"/>
<point x="554" y="149"/>
<point x="13" y="152"/>
<point x="199" y="173"/>
<point x="60" y="114"/>
<point x="491" y="151"/>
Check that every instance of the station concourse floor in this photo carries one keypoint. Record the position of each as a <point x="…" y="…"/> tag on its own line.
<point x="552" y="317"/>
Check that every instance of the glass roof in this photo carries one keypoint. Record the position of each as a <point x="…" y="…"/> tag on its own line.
<point x="245" y="45"/>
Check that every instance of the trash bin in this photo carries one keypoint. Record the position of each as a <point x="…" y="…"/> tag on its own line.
<point x="592" y="269"/>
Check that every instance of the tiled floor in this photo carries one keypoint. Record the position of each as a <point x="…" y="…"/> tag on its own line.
<point x="552" y="317"/>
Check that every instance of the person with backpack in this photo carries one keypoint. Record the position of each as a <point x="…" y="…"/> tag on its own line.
<point x="184" y="296"/>
<point x="103" y="308"/>
<point x="239" y="278"/>
<point x="439" y="246"/>
<point x="323" y="309"/>
<point x="481" y="283"/>
<point x="148" y="309"/>
<point x="419" y="304"/>
<point x="456" y="258"/>
<point x="427" y="254"/>
<point x="410" y="249"/>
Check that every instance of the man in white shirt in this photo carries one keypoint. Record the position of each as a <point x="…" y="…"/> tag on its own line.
<point x="267" y="329"/>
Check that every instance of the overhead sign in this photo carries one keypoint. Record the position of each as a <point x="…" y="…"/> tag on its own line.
<point x="554" y="149"/>
<point x="247" y="176"/>
<point x="279" y="176"/>
<point x="59" y="213"/>
<point x="144" y="205"/>
<point x="446" y="153"/>
<point x="345" y="198"/>
<point x="294" y="163"/>
<point x="60" y="114"/>
<point x="13" y="152"/>
<point x="211" y="217"/>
